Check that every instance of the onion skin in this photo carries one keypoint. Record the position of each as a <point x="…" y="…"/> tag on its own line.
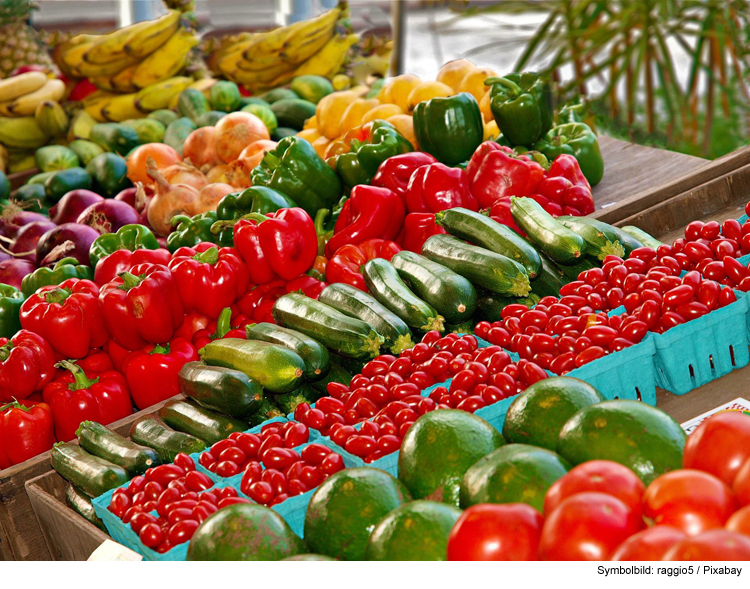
<point x="109" y="215"/>
<point x="67" y="240"/>
<point x="28" y="237"/>
<point x="209" y="197"/>
<point x="169" y="200"/>
<point x="72" y="205"/>
<point x="12" y="271"/>
<point x="11" y="222"/>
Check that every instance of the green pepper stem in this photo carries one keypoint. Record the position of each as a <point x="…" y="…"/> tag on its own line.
<point x="159" y="349"/>
<point x="210" y="256"/>
<point x="80" y="380"/>
<point x="15" y="405"/>
<point x="57" y="295"/>
<point x="5" y="351"/>
<point x="223" y="324"/>
<point x="320" y="219"/>
<point x="271" y="161"/>
<point x="220" y="226"/>
<point x="129" y="280"/>
<point x="509" y="84"/>
<point x="258" y="217"/>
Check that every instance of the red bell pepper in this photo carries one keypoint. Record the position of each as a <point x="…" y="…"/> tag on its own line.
<point x="26" y="430"/>
<point x="117" y="354"/>
<point x="209" y="278"/>
<point x="567" y="187"/>
<point x="191" y="325"/>
<point x="437" y="187"/>
<point x="496" y="171"/>
<point x="500" y="212"/>
<point x="369" y="213"/>
<point x="74" y="397"/>
<point x="418" y="228"/>
<point x="283" y="244"/>
<point x="67" y="315"/>
<point x="395" y="172"/>
<point x="97" y="361"/>
<point x="152" y="372"/>
<point x="346" y="264"/>
<point x="27" y="364"/>
<point x="230" y="324"/>
<point x="123" y="260"/>
<point x="141" y="306"/>
<point x="306" y="285"/>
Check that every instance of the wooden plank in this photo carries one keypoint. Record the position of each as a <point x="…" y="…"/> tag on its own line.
<point x="20" y="535"/>
<point x="68" y="536"/>
<point x="19" y="178"/>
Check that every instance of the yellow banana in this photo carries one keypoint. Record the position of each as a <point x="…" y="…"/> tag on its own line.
<point x="123" y="81"/>
<point x="21" y="133"/>
<point x="166" y="61"/>
<point x="22" y="84"/>
<point x="52" y="118"/>
<point x="158" y="96"/>
<point x="4" y="159"/>
<point x="328" y="61"/>
<point x="227" y="46"/>
<point x="111" y="47"/>
<point x="26" y="105"/>
<point x="88" y="70"/>
<point x="258" y="84"/>
<point x="228" y="61"/>
<point x="94" y="104"/>
<point x="103" y="83"/>
<point x="268" y="73"/>
<point x="121" y="108"/>
<point x="301" y="45"/>
<point x="69" y="55"/>
<point x="146" y="41"/>
<point x="21" y="161"/>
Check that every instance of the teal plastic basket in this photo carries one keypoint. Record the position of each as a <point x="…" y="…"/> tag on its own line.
<point x="495" y="414"/>
<point x="699" y="351"/>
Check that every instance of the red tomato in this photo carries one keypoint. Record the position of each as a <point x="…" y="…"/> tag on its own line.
<point x="650" y="544"/>
<point x="740" y="521"/>
<point x="496" y="532"/>
<point x="151" y="535"/>
<point x="691" y="500"/>
<point x="713" y="545"/>
<point x="587" y="526"/>
<point x="602" y="476"/>
<point x="719" y="445"/>
<point x="741" y="485"/>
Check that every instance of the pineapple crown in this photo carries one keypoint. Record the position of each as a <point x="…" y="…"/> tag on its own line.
<point x="11" y="9"/>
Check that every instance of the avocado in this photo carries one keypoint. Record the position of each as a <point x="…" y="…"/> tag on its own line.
<point x="312" y="88"/>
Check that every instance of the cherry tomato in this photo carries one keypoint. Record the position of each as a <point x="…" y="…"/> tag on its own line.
<point x="195" y="481"/>
<point x="120" y="503"/>
<point x="726" y="297"/>
<point x="182" y="531"/>
<point x="332" y="464"/>
<point x="360" y="445"/>
<point x="151" y="535"/>
<point x="227" y="469"/>
<point x="184" y="462"/>
<point x="589" y="355"/>
<point x="164" y="473"/>
<point x="713" y="545"/>
<point x="141" y="519"/>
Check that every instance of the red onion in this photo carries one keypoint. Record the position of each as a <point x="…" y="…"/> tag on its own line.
<point x="127" y="195"/>
<point x="107" y="216"/>
<point x="13" y="271"/>
<point x="67" y="240"/>
<point x="14" y="217"/>
<point x="72" y="205"/>
<point x="28" y="237"/>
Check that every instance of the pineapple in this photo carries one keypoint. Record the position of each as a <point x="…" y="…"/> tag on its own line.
<point x="21" y="44"/>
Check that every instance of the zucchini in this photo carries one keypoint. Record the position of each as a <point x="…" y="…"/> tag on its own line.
<point x="630" y="241"/>
<point x="490" y="304"/>
<point x="222" y="389"/>
<point x="645" y="239"/>
<point x="305" y="394"/>
<point x="336" y="374"/>
<point x="79" y="502"/>
<point x="101" y="441"/>
<point x="550" y="280"/>
<point x="350" y="365"/>
<point x="480" y="266"/>
<point x="460" y="328"/>
<point x="480" y="230"/>
<point x="268" y="410"/>
<point x="386" y="286"/>
<point x="202" y="423"/>
<point x="353" y="302"/>
<point x="570" y="273"/>
<point x="314" y="355"/>
<point x="93" y="475"/>
<point x="153" y="432"/>
<point x="454" y="297"/>
<point x="552" y="238"/>
<point x="349" y="336"/>
<point x="601" y="240"/>
<point x="276" y="368"/>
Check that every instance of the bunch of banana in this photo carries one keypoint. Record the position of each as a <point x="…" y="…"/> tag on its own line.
<point x="52" y="118"/>
<point x="22" y="133"/>
<point x="264" y="61"/>
<point x="111" y="107"/>
<point x="129" y="59"/>
<point x="20" y="95"/>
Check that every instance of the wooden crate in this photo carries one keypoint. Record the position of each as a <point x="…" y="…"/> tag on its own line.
<point x="20" y="534"/>
<point x="67" y="535"/>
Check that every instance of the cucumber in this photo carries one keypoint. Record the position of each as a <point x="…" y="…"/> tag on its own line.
<point x="480" y="230"/>
<point x="276" y="368"/>
<point x="552" y="238"/>
<point x="338" y="332"/>
<point x="353" y="302"/>
<point x="202" y="423"/>
<point x="62" y="182"/>
<point x="192" y="104"/>
<point x="630" y="241"/>
<point x="480" y="266"/>
<point x="336" y="374"/>
<point x="550" y="280"/>
<point x="314" y="355"/>
<point x="93" y="475"/>
<point x="222" y="389"/>
<point x="101" y="441"/>
<point x="454" y="297"/>
<point x="601" y="240"/>
<point x="490" y="304"/>
<point x="79" y="502"/>
<point x="153" y="432"/>
<point x="268" y="410"/>
<point x="305" y="394"/>
<point x="645" y="239"/>
<point x="386" y="286"/>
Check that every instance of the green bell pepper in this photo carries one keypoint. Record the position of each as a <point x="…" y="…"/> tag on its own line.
<point x="578" y="140"/>
<point x="256" y="199"/>
<point x="128" y="237"/>
<point x="296" y="170"/>
<point x="380" y="140"/>
<point x="191" y="231"/>
<point x="522" y="106"/>
<point x="11" y="300"/>
<point x="64" y="269"/>
<point x="449" y="128"/>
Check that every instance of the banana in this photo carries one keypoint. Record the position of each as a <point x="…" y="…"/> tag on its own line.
<point x="52" y="118"/>
<point x="26" y="105"/>
<point x="121" y="108"/>
<point x="254" y="83"/>
<point x="111" y="47"/>
<point x="103" y="83"/>
<point x="166" y="61"/>
<point x="20" y="85"/>
<point x="88" y="70"/>
<point x="226" y="46"/>
<point x="69" y="55"/>
<point x="158" y="96"/>
<point x="146" y="41"/>
<point x="228" y="61"/>
<point x="123" y="80"/>
<point x="94" y="104"/>
<point x="303" y="44"/>
<point x="21" y="161"/>
<point x="328" y="61"/>
<point x="21" y="133"/>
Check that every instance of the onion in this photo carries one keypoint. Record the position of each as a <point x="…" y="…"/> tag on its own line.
<point x="14" y="217"/>
<point x="127" y="195"/>
<point x="169" y="200"/>
<point x="67" y="240"/>
<point x="238" y="173"/>
<point x="13" y="271"/>
<point x="27" y="238"/>
<point x="209" y="197"/>
<point x="185" y="173"/>
<point x="72" y="204"/>
<point x="199" y="148"/>
<point x="218" y="174"/>
<point x="109" y="215"/>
